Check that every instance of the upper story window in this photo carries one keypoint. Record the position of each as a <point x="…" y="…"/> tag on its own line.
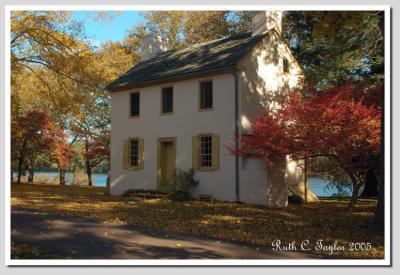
<point x="285" y="65"/>
<point x="206" y="95"/>
<point x="167" y="97"/>
<point x="135" y="104"/>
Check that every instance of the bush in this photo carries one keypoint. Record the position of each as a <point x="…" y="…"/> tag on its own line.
<point x="180" y="183"/>
<point x="179" y="196"/>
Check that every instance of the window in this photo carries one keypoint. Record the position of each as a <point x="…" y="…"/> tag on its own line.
<point x="167" y="100"/>
<point x="135" y="104"/>
<point x="285" y="65"/>
<point x="133" y="153"/>
<point x="206" y="95"/>
<point x="206" y="152"/>
<point x="275" y="56"/>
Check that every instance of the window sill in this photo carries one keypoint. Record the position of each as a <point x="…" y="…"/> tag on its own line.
<point x="207" y="169"/>
<point x="133" y="168"/>
<point x="167" y="114"/>
<point x="205" y="110"/>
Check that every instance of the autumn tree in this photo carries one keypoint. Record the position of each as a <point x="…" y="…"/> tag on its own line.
<point x="56" y="69"/>
<point x="49" y="39"/>
<point x="114" y="58"/>
<point x="33" y="136"/>
<point x="92" y="131"/>
<point x="184" y="28"/>
<point x="97" y="150"/>
<point x="335" y="46"/>
<point x="92" y="127"/>
<point x="46" y="41"/>
<point x="341" y="124"/>
<point x="60" y="102"/>
<point x="46" y="61"/>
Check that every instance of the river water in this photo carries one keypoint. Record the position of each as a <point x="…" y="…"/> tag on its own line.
<point x="317" y="185"/>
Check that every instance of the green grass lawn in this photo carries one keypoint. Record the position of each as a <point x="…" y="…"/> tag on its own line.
<point x="327" y="219"/>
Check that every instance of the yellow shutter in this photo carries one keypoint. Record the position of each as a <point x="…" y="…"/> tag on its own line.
<point x="126" y="154"/>
<point x="195" y="153"/>
<point x="215" y="152"/>
<point x="141" y="153"/>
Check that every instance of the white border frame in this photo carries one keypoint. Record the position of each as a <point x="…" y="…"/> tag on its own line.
<point x="313" y="262"/>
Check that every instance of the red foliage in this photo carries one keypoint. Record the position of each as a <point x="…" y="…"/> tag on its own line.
<point x="336" y="123"/>
<point x="98" y="149"/>
<point x="62" y="151"/>
<point x="36" y="133"/>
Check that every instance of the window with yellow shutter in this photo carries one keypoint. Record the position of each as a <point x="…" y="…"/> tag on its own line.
<point x="133" y="153"/>
<point x="206" y="152"/>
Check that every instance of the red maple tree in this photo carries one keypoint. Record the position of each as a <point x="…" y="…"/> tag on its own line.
<point x="35" y="134"/>
<point x="341" y="124"/>
<point x="97" y="150"/>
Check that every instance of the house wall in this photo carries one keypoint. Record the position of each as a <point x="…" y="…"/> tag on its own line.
<point x="185" y="122"/>
<point x="253" y="180"/>
<point x="261" y="81"/>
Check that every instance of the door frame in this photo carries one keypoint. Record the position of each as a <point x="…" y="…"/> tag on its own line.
<point x="160" y="140"/>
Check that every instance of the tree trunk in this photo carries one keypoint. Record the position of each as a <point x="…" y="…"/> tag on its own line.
<point x="354" y="198"/>
<point x="87" y="163"/>
<point x="277" y="190"/>
<point x="20" y="164"/>
<point x="379" y="219"/>
<point x="62" y="176"/>
<point x="305" y="180"/>
<point x="31" y="172"/>
<point x="108" y="189"/>
<point x="21" y="159"/>
<point x="89" y="174"/>
<point x="371" y="184"/>
<point x="357" y="183"/>
<point x="108" y="192"/>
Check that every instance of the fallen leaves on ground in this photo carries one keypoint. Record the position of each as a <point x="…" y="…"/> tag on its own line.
<point x="327" y="219"/>
<point x="24" y="251"/>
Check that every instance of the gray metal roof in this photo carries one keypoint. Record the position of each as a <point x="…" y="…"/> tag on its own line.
<point x="214" y="55"/>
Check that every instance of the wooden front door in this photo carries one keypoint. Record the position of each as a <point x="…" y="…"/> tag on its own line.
<point x="166" y="161"/>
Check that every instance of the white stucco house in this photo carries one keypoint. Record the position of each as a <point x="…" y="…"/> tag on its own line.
<point x="177" y="109"/>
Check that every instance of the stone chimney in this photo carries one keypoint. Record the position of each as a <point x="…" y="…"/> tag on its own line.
<point x="263" y="21"/>
<point x="150" y="46"/>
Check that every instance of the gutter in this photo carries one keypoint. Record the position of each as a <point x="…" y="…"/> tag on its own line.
<point x="237" y="186"/>
<point x="167" y="79"/>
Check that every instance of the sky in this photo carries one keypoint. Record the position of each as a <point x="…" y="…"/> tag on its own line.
<point x="99" y="31"/>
